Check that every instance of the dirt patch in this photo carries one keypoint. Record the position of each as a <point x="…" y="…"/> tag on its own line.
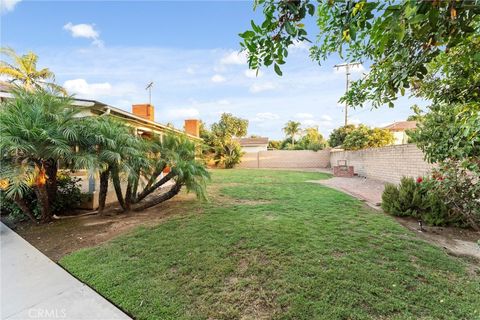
<point x="244" y="292"/>
<point x="457" y="241"/>
<point x="64" y="236"/>
<point x="215" y="194"/>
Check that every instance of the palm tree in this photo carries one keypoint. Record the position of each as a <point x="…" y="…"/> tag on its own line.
<point x="23" y="71"/>
<point x="115" y="148"/>
<point x="292" y="128"/>
<point x="178" y="153"/>
<point x="37" y="130"/>
<point x="140" y="161"/>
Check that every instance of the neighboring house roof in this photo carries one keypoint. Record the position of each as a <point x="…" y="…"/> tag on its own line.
<point x="99" y="108"/>
<point x="252" y="142"/>
<point x="402" y="126"/>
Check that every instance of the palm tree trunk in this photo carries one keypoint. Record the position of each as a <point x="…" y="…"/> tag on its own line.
<point x="154" y="177"/>
<point x="51" y="169"/>
<point x="102" y="195"/>
<point x="42" y="197"/>
<point x="154" y="187"/>
<point x="128" y="196"/>
<point x="135" y="187"/>
<point x="118" y="187"/>
<point x="25" y="209"/>
<point x="161" y="198"/>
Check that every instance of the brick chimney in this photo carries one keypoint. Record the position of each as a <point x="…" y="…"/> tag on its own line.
<point x="192" y="127"/>
<point x="145" y="111"/>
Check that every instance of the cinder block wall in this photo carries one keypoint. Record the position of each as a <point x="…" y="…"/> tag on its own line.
<point x="286" y="159"/>
<point x="388" y="164"/>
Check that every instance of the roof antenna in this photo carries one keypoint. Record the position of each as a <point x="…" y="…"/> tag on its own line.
<point x="149" y="88"/>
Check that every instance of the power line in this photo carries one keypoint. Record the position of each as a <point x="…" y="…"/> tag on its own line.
<point x="347" y="75"/>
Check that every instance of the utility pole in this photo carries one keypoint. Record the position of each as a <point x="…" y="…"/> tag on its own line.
<point x="149" y="88"/>
<point x="347" y="74"/>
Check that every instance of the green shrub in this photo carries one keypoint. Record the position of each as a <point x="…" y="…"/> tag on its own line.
<point x="68" y="197"/>
<point x="423" y="199"/>
<point x="436" y="212"/>
<point x="9" y="208"/>
<point x="404" y="200"/>
<point x="390" y="198"/>
<point x="69" y="194"/>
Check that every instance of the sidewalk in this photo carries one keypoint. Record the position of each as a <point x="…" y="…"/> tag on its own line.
<point x="368" y="190"/>
<point x="34" y="287"/>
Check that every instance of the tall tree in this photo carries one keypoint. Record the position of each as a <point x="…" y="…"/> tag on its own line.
<point x="292" y="129"/>
<point x="22" y="70"/>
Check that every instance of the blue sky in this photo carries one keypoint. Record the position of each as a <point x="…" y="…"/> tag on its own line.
<point x="109" y="51"/>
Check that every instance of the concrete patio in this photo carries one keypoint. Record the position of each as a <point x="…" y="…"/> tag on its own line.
<point x="34" y="287"/>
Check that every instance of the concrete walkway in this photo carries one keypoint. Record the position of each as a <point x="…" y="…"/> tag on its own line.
<point x="34" y="287"/>
<point x="368" y="190"/>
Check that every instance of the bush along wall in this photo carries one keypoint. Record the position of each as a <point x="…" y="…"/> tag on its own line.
<point x="68" y="197"/>
<point x="422" y="199"/>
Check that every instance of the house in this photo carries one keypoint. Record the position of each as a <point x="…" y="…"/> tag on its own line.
<point x="141" y="118"/>
<point x="399" y="130"/>
<point x="250" y="145"/>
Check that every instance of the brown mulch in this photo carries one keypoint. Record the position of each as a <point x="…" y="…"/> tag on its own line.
<point x="66" y="235"/>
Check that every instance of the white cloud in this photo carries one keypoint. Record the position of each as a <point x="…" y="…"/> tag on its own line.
<point x="300" y="45"/>
<point x="234" y="57"/>
<point x="263" y="116"/>
<point x="303" y="115"/>
<point x="8" y="5"/>
<point x="182" y="113"/>
<point x="260" y="87"/>
<point x="249" y="73"/>
<point x="91" y="90"/>
<point x="218" y="78"/>
<point x="84" y="30"/>
<point x="326" y="118"/>
<point x="223" y="102"/>
<point x="309" y="123"/>
<point x="354" y="121"/>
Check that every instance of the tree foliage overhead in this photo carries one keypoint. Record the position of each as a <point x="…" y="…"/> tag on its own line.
<point x="399" y="37"/>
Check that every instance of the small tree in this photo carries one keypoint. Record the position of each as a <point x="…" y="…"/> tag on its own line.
<point x="337" y="137"/>
<point x="221" y="142"/>
<point x="292" y="129"/>
<point x="365" y="137"/>
<point x="37" y="130"/>
<point x="312" y="139"/>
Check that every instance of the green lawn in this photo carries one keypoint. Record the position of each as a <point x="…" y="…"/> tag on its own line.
<point x="270" y="245"/>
